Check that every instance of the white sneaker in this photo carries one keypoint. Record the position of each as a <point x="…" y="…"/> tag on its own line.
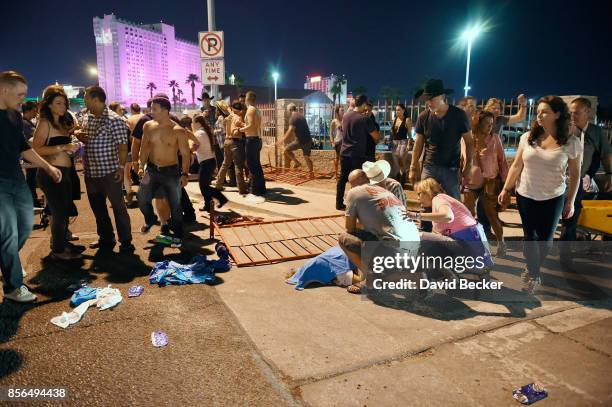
<point x="22" y="294"/>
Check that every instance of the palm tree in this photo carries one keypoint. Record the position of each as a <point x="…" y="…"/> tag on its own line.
<point x="336" y="87"/>
<point x="151" y="86"/>
<point x="174" y="86"/>
<point x="179" y="94"/>
<point x="191" y="80"/>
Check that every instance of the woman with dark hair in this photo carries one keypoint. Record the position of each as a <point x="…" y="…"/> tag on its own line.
<point x="401" y="137"/>
<point x="335" y="135"/>
<point x="543" y="157"/>
<point x="52" y="140"/>
<point x="488" y="172"/>
<point x="208" y="163"/>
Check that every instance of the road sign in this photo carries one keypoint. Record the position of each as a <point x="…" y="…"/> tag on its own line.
<point x="213" y="71"/>
<point x="211" y="44"/>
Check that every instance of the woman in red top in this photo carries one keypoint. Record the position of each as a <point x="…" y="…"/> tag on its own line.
<point x="488" y="173"/>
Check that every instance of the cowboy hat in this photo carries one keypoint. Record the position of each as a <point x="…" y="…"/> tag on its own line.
<point x="205" y="95"/>
<point x="223" y="107"/>
<point x="431" y="89"/>
<point x="376" y="172"/>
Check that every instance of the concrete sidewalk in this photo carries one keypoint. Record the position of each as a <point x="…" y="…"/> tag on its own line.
<point x="337" y="349"/>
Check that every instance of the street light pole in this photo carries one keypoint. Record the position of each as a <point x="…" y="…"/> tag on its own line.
<point x="469" y="35"/>
<point x="467" y="68"/>
<point x="211" y="27"/>
<point x="275" y="77"/>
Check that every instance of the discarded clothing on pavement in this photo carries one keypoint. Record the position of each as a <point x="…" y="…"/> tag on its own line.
<point x="103" y="298"/>
<point x="200" y="271"/>
<point x="324" y="269"/>
<point x="85" y="293"/>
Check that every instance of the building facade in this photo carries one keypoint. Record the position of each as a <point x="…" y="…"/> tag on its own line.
<point x="131" y="56"/>
<point x="324" y="84"/>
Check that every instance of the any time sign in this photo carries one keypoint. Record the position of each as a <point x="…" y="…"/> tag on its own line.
<point x="213" y="72"/>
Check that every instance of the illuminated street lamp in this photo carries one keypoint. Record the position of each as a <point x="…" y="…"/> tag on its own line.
<point x="232" y="79"/>
<point x="93" y="71"/>
<point x="469" y="35"/>
<point x="275" y="76"/>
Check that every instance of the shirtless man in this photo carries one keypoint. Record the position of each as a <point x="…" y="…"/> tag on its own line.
<point x="159" y="201"/>
<point x="162" y="140"/>
<point x="252" y="131"/>
<point x="233" y="123"/>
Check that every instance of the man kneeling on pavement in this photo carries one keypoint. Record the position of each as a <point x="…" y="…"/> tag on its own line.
<point x="374" y="213"/>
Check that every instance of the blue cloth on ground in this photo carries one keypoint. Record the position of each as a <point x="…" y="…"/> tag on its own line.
<point x="322" y="269"/>
<point x="83" y="294"/>
<point x="200" y="271"/>
<point x="478" y="244"/>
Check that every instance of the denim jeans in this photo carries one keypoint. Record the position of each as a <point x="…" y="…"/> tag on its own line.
<point x="169" y="180"/>
<point x="252" y="149"/>
<point x="540" y="220"/>
<point x="59" y="199"/>
<point x="16" y="218"/>
<point x="448" y="177"/>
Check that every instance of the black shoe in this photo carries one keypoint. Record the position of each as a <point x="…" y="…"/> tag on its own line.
<point x="165" y="229"/>
<point x="77" y="248"/>
<point x="127" y="248"/>
<point x="145" y="228"/>
<point x="222" y="202"/>
<point x="341" y="207"/>
<point x="102" y="245"/>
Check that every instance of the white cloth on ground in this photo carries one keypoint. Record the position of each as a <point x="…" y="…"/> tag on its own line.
<point x="105" y="298"/>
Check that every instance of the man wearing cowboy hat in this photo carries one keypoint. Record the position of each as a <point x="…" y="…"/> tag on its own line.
<point x="207" y="109"/>
<point x="378" y="174"/>
<point x="440" y="129"/>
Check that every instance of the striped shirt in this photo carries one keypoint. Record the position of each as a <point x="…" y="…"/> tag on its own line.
<point x="544" y="171"/>
<point x="105" y="134"/>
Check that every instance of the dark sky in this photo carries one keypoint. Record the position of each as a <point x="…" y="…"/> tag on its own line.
<point x="536" y="47"/>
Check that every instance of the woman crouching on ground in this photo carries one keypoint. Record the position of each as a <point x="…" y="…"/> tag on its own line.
<point x="451" y="220"/>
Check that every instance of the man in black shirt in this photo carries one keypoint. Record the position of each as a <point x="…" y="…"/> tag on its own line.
<point x="356" y="128"/>
<point x="439" y="129"/>
<point x="16" y="212"/>
<point x="298" y="127"/>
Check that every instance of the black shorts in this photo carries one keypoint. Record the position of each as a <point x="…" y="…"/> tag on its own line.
<point x="294" y="145"/>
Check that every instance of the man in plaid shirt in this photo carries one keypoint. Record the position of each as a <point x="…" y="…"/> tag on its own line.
<point x="105" y="136"/>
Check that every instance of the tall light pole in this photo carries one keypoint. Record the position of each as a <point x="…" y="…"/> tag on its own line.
<point x="275" y="76"/>
<point x="469" y="35"/>
<point x="211" y="27"/>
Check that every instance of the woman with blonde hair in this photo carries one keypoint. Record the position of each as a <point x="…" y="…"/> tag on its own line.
<point x="451" y="220"/>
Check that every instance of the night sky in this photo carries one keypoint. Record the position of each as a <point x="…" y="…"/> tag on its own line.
<point x="537" y="47"/>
